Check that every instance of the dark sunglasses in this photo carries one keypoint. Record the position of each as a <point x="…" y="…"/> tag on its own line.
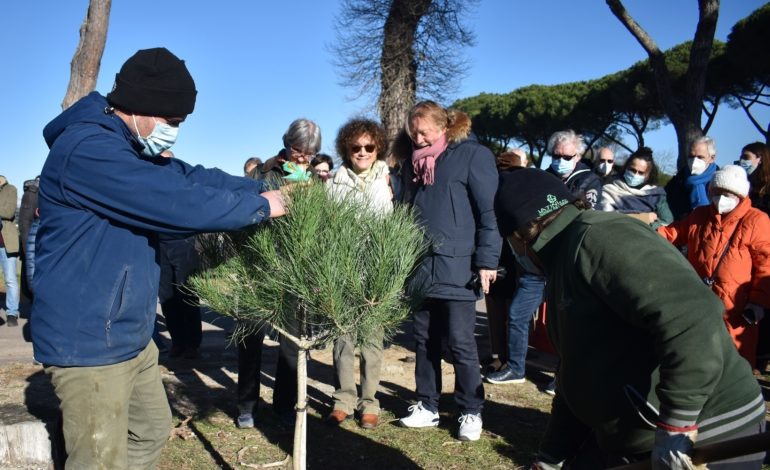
<point x="606" y="161"/>
<point x="357" y="148"/>
<point x="564" y="157"/>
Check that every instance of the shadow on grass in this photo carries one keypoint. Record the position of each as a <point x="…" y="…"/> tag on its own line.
<point x="515" y="430"/>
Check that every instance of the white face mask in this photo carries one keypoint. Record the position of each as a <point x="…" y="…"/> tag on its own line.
<point x="725" y="204"/>
<point x="697" y="166"/>
<point x="605" y="168"/>
<point x="162" y="137"/>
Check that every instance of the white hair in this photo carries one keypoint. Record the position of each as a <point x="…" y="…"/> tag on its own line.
<point x="711" y="146"/>
<point x="563" y="137"/>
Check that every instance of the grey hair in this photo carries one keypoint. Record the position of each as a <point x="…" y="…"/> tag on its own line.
<point x="562" y="137"/>
<point x="711" y="146"/>
<point x="303" y="134"/>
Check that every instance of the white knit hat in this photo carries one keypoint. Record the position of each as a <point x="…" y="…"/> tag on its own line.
<point x="732" y="178"/>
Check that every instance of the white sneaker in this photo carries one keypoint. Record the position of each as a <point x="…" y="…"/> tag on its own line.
<point x="470" y="427"/>
<point x="419" y="417"/>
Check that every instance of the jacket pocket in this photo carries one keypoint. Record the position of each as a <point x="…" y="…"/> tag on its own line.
<point x="116" y="304"/>
<point x="452" y="270"/>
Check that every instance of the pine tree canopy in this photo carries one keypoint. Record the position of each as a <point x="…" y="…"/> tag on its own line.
<point x="329" y="267"/>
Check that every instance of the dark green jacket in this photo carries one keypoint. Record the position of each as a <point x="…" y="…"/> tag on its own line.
<point x="638" y="334"/>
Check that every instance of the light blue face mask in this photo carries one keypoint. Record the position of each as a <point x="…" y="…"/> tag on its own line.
<point x="632" y="179"/>
<point x="162" y="137"/>
<point x="746" y="165"/>
<point x="562" y="167"/>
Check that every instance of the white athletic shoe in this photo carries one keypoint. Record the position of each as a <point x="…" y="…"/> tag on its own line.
<point x="470" y="427"/>
<point x="419" y="417"/>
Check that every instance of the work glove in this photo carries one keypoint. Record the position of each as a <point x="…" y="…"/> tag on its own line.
<point x="671" y="448"/>
<point x="295" y="173"/>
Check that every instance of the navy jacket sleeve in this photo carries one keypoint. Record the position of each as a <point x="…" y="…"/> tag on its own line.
<point x="174" y="198"/>
<point x="482" y="186"/>
<point x="213" y="177"/>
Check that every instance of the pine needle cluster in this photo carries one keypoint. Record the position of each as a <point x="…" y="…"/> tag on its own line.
<point x="329" y="267"/>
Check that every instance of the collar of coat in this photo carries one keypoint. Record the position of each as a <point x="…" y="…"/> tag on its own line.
<point x="568" y="214"/>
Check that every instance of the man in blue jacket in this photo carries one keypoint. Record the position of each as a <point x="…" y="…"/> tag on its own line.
<point x="105" y="194"/>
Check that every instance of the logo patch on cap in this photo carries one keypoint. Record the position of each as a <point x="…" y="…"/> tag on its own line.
<point x="553" y="204"/>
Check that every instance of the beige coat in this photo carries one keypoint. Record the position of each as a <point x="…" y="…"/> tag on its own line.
<point x="8" y="199"/>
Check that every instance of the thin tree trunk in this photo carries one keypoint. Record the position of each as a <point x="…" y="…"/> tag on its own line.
<point x="88" y="55"/>
<point x="299" y="453"/>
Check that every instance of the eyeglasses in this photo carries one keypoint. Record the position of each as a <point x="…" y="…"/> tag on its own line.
<point x="357" y="148"/>
<point x="300" y="153"/>
<point x="564" y="157"/>
<point x="606" y="161"/>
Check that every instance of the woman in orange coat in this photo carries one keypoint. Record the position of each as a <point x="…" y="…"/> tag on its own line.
<point x="728" y="244"/>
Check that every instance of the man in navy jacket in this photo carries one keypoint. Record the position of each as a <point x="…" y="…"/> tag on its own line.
<point x="105" y="194"/>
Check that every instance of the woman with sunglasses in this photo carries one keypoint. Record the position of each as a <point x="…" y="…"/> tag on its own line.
<point x="365" y="177"/>
<point x="636" y="193"/>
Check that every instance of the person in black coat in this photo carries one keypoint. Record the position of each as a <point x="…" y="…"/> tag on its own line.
<point x="450" y="180"/>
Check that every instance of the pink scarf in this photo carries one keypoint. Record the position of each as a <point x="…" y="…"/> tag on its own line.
<point x="424" y="160"/>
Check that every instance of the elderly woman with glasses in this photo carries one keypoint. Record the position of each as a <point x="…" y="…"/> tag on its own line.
<point x="364" y="177"/>
<point x="301" y="142"/>
<point x="637" y="192"/>
<point x="566" y="148"/>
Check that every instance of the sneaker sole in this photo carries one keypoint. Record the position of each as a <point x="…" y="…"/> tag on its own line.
<point x="468" y="438"/>
<point x="431" y="425"/>
<point x="501" y="382"/>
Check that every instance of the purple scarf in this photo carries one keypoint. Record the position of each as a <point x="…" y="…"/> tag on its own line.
<point x="424" y="160"/>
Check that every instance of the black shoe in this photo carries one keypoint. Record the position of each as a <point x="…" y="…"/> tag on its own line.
<point x="12" y="320"/>
<point x="504" y="376"/>
<point x="493" y="366"/>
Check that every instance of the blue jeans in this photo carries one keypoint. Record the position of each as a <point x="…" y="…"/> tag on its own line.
<point x="11" y="283"/>
<point x="526" y="299"/>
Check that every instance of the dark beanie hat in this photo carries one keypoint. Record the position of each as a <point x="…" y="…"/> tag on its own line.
<point x="526" y="194"/>
<point x="154" y="82"/>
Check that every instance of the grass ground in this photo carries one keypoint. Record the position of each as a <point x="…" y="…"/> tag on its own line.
<point x="514" y="418"/>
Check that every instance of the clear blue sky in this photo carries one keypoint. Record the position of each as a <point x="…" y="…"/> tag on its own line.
<point x="260" y="64"/>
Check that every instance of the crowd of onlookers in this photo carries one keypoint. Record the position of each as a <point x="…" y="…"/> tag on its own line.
<point x="650" y="293"/>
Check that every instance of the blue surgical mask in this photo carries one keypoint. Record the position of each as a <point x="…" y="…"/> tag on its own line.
<point x="162" y="137"/>
<point x="746" y="165"/>
<point x="632" y="179"/>
<point x="562" y="167"/>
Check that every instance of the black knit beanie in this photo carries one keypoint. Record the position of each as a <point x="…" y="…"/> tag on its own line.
<point x="154" y="82"/>
<point x="526" y="194"/>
